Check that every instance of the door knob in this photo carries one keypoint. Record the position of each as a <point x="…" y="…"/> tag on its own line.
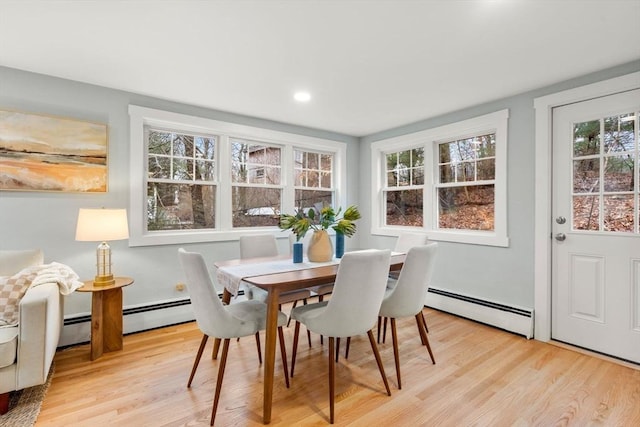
<point x="561" y="220"/>
<point x="560" y="237"/>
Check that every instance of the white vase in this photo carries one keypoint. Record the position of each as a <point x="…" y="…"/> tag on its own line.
<point x="320" y="247"/>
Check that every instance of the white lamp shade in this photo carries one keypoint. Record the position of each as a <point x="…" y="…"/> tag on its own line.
<point x="101" y="225"/>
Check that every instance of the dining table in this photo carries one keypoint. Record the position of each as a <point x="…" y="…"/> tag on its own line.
<point x="276" y="275"/>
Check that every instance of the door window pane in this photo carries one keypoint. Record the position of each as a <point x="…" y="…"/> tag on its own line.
<point x="618" y="173"/>
<point x="586" y="176"/>
<point x="586" y="138"/>
<point x="618" y="213"/>
<point x="586" y="213"/>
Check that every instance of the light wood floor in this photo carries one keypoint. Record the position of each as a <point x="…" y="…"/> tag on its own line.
<point x="483" y="377"/>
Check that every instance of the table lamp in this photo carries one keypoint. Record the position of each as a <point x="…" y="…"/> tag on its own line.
<point x="101" y="225"/>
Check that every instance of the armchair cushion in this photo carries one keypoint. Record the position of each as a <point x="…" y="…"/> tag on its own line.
<point x="8" y="345"/>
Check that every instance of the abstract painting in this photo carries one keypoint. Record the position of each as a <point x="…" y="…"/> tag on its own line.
<point x="47" y="153"/>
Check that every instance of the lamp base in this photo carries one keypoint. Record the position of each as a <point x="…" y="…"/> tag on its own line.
<point x="104" y="280"/>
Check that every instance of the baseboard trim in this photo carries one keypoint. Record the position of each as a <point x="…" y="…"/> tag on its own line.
<point x="518" y="320"/>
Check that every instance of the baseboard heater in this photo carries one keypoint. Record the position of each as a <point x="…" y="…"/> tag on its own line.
<point x="77" y="328"/>
<point x="510" y="318"/>
<point x="138" y="309"/>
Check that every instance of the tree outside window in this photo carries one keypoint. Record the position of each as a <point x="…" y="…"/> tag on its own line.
<point x="256" y="183"/>
<point x="466" y="183"/>
<point x="313" y="177"/>
<point x="181" y="189"/>
<point x="405" y="187"/>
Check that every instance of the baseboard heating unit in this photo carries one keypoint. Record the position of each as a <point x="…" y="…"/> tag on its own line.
<point x="513" y="319"/>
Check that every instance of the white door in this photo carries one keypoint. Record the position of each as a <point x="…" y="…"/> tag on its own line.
<point x="596" y="215"/>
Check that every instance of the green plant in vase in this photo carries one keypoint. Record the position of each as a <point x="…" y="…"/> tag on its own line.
<point x="319" y="219"/>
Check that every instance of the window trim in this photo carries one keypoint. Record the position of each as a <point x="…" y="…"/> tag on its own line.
<point x="489" y="123"/>
<point x="143" y="116"/>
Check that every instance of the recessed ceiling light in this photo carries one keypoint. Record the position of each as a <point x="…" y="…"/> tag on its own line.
<point x="302" y="96"/>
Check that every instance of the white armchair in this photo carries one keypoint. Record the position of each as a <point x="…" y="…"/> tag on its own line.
<point x="27" y="350"/>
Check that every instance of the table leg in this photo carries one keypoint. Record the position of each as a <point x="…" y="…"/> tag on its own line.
<point x="106" y="322"/>
<point x="112" y="315"/>
<point x="270" y="352"/>
<point x="226" y="297"/>
<point x="97" y="325"/>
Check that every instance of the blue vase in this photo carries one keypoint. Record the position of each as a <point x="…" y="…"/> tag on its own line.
<point x="339" y="244"/>
<point x="297" y="252"/>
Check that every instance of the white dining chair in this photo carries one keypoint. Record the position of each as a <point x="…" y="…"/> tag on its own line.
<point x="264" y="245"/>
<point x="407" y="298"/>
<point x="260" y="246"/>
<point x="405" y="242"/>
<point x="214" y="319"/>
<point x="360" y="282"/>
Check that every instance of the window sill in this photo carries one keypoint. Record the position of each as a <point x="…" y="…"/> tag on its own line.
<point x="457" y="236"/>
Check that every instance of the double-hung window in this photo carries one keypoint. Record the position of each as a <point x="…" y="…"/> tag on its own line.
<point x="448" y="182"/>
<point x="195" y="179"/>
<point x="256" y="171"/>
<point x="313" y="176"/>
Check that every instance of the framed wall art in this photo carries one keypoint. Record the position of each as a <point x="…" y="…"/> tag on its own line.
<point x="48" y="153"/>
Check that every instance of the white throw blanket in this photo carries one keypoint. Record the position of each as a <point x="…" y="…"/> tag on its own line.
<point x="13" y="288"/>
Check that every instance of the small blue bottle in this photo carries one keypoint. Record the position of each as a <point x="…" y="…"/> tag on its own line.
<point x="297" y="252"/>
<point x="339" y="244"/>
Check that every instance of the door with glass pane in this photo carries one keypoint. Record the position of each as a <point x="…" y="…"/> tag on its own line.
<point x="596" y="235"/>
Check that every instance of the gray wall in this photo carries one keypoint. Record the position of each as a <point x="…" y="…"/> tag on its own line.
<point x="48" y="220"/>
<point x="503" y="275"/>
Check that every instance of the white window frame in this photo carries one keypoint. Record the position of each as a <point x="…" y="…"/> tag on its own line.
<point x="497" y="123"/>
<point x="140" y="117"/>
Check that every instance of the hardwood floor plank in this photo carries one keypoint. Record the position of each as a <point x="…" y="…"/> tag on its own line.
<point x="483" y="377"/>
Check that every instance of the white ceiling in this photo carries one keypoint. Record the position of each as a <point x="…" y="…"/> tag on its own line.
<point x="369" y="65"/>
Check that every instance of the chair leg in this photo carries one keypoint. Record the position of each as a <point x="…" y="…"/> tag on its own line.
<point x="337" y="348"/>
<point x="258" y="345"/>
<point x="379" y="325"/>
<point x="320" y="299"/>
<point x="396" y="352"/>
<point x="424" y="320"/>
<point x="292" y="307"/>
<point x="216" y="348"/>
<point x="304" y="302"/>
<point x="203" y="342"/>
<point x="376" y="353"/>
<point x="384" y="330"/>
<point x="332" y="380"/>
<point x="423" y="334"/>
<point x="223" y="363"/>
<point x="283" y="352"/>
<point x="294" y="350"/>
<point x="346" y="352"/>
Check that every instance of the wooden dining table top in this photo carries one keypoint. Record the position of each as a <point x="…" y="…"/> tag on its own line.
<point x="301" y="278"/>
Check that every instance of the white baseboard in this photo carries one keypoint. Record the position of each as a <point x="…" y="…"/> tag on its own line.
<point x="518" y="320"/>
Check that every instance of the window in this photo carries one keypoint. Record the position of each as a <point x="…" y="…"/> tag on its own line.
<point x="449" y="182"/>
<point x="256" y="190"/>
<point x="181" y="186"/>
<point x="466" y="183"/>
<point x="196" y="179"/>
<point x="313" y="174"/>
<point x="404" y="187"/>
